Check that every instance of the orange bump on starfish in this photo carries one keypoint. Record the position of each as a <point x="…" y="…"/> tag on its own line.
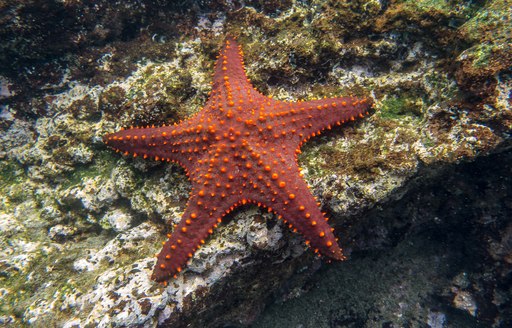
<point x="240" y="148"/>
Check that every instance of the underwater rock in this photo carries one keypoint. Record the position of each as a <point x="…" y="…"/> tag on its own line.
<point x="79" y="225"/>
<point x="118" y="219"/>
<point x="94" y="195"/>
<point x="60" y="232"/>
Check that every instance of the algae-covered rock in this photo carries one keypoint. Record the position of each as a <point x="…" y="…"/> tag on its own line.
<point x="490" y="53"/>
<point x="80" y="224"/>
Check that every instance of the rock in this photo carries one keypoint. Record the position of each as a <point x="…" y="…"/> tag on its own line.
<point x="61" y="232"/>
<point x="463" y="300"/>
<point x="118" y="219"/>
<point x="124" y="179"/>
<point x="79" y="225"/>
<point x="94" y="194"/>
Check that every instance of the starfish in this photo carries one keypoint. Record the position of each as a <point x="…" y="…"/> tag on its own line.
<point x="241" y="148"/>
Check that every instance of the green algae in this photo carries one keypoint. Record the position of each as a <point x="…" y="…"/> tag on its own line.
<point x="103" y="164"/>
<point x="488" y="48"/>
<point x="428" y="5"/>
<point x="489" y="30"/>
<point x="440" y="87"/>
<point x="395" y="108"/>
<point x="10" y="173"/>
<point x="460" y="9"/>
<point x="481" y="54"/>
<point x="46" y="279"/>
<point x="18" y="193"/>
<point x="427" y="18"/>
<point x="491" y="22"/>
<point x="13" y="185"/>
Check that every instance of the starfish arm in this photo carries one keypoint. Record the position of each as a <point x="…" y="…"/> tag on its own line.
<point x="297" y="122"/>
<point x="174" y="143"/>
<point x="230" y="66"/>
<point x="278" y="187"/>
<point x="203" y="213"/>
<point x="302" y="214"/>
<point x="231" y="89"/>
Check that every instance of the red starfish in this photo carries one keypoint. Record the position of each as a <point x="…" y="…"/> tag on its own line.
<point x="240" y="148"/>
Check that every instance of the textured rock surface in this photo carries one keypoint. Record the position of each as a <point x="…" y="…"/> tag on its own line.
<point x="437" y="262"/>
<point x="79" y="225"/>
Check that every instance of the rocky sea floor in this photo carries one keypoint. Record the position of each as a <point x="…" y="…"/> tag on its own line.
<point x="419" y="192"/>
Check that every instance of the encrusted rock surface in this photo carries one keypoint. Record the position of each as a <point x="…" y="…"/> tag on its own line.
<point x="79" y="225"/>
